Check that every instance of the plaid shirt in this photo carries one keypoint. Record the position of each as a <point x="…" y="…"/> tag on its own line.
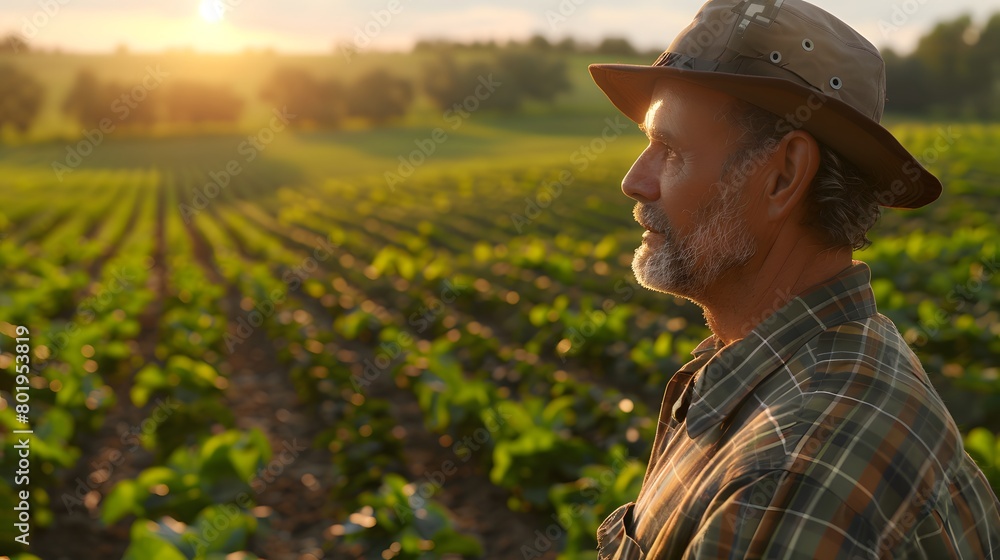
<point x="818" y="435"/>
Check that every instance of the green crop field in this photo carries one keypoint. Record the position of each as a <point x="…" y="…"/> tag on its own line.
<point x="388" y="343"/>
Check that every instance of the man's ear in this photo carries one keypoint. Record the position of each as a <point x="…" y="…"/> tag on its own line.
<point x="796" y="163"/>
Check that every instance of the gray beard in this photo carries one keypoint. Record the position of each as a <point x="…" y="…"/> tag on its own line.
<point x="687" y="266"/>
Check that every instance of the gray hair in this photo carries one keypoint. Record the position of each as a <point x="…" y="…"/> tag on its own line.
<point x="841" y="206"/>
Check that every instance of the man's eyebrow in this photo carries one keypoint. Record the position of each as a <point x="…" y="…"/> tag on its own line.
<point x="653" y="133"/>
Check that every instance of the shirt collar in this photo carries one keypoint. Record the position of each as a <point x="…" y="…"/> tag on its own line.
<point x="732" y="373"/>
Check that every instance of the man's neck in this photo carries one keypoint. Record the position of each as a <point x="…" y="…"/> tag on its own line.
<point x="744" y="297"/>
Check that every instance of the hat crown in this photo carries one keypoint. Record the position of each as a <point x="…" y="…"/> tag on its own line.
<point x="787" y="39"/>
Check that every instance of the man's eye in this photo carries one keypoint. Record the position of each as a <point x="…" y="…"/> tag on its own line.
<point x="661" y="143"/>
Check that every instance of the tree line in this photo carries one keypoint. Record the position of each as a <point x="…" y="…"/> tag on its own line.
<point x="376" y="97"/>
<point x="953" y="72"/>
<point x="608" y="46"/>
<point x="89" y="101"/>
<point x="379" y="96"/>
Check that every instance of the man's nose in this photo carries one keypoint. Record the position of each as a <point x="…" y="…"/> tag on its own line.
<point x="642" y="182"/>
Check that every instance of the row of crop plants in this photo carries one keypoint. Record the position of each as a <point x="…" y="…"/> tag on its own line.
<point x="83" y="336"/>
<point x="195" y="499"/>
<point x="538" y="428"/>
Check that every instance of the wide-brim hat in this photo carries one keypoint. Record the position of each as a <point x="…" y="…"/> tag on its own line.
<point x="795" y="60"/>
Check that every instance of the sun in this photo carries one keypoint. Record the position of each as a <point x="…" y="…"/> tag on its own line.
<point x="211" y="11"/>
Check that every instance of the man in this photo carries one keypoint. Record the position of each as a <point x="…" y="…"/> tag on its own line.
<point x="805" y="427"/>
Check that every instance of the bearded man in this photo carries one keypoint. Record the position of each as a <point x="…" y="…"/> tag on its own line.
<point x="804" y="427"/>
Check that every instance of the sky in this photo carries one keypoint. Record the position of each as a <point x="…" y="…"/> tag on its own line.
<point x="321" y="25"/>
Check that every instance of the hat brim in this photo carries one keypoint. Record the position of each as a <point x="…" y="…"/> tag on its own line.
<point x="902" y="182"/>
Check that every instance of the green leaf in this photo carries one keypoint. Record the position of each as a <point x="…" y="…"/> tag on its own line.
<point x="245" y="461"/>
<point x="405" y="267"/>
<point x="204" y="372"/>
<point x="70" y="393"/>
<point x="450" y="542"/>
<point x="116" y="350"/>
<point x="259" y="440"/>
<point x="557" y="410"/>
<point x="56" y="424"/>
<point x="981" y="441"/>
<point x="125" y="498"/>
<point x="156" y="475"/>
<point x="501" y="462"/>
<point x="215" y="449"/>
<point x="982" y="446"/>
<point x="229" y="526"/>
<point x="147" y="380"/>
<point x="146" y="545"/>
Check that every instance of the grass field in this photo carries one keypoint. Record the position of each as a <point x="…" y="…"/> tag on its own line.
<point x="305" y="357"/>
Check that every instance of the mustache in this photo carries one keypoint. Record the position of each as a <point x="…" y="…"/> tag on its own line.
<point x="651" y="217"/>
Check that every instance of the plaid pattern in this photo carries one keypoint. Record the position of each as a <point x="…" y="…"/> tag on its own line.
<point x="818" y="435"/>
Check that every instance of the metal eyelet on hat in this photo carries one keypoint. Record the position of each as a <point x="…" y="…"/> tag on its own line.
<point x="807" y="44"/>
<point x="836" y="83"/>
<point x="775" y="57"/>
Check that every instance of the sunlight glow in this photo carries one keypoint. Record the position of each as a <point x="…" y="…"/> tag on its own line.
<point x="211" y="11"/>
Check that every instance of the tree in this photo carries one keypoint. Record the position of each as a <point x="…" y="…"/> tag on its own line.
<point x="21" y="97"/>
<point x="953" y="72"/>
<point x="616" y="46"/>
<point x="13" y="43"/>
<point x="314" y="101"/>
<point x="130" y="110"/>
<point x="195" y="102"/>
<point x="433" y="45"/>
<point x="538" y="77"/>
<point x="985" y="59"/>
<point x="442" y="81"/>
<point x="567" y="45"/>
<point x="379" y="97"/>
<point x="522" y="75"/>
<point x="539" y="43"/>
<point x="905" y="83"/>
<point x="88" y="100"/>
<point x="945" y="54"/>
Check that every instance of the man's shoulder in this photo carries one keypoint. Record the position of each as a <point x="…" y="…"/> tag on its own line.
<point x="857" y="390"/>
<point x="852" y="412"/>
<point x="860" y="412"/>
<point x="866" y="361"/>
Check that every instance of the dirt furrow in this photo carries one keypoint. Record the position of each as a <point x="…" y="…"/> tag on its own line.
<point x="261" y="395"/>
